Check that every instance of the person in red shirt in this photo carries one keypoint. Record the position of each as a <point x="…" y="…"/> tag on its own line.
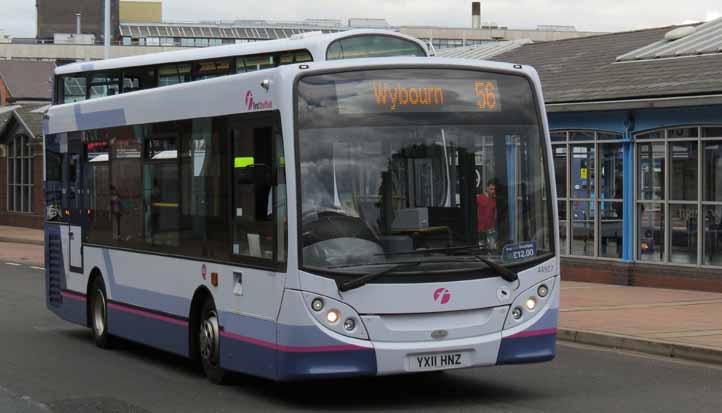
<point x="486" y="211"/>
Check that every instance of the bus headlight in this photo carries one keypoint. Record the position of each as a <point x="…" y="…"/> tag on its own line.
<point x="532" y="302"/>
<point x="335" y="316"/>
<point x="332" y="316"/>
<point x="317" y="304"/>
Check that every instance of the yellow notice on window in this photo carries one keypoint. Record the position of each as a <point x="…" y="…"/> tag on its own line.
<point x="584" y="173"/>
<point x="243" y="161"/>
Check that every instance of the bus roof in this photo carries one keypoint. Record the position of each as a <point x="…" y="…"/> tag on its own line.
<point x="316" y="44"/>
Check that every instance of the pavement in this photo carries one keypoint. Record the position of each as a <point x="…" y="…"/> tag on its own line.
<point x="674" y="323"/>
<point x="21" y="235"/>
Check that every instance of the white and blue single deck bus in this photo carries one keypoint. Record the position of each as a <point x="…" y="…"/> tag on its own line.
<point x="321" y="218"/>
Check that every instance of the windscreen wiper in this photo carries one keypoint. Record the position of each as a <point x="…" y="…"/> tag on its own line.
<point x="366" y="278"/>
<point x="432" y="250"/>
<point x="503" y="271"/>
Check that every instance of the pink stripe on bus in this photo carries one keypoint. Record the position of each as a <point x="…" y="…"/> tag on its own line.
<point x="141" y="313"/>
<point x="73" y="296"/>
<point x="290" y="349"/>
<point x="534" y="333"/>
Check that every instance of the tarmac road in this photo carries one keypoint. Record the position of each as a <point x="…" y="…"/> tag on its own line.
<point x="47" y="364"/>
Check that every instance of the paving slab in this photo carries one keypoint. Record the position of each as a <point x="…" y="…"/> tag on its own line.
<point x="29" y="254"/>
<point x="21" y="235"/>
<point x="677" y="323"/>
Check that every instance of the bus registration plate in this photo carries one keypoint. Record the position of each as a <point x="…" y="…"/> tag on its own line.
<point x="437" y="361"/>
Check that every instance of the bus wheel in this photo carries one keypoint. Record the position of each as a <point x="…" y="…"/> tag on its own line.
<point x="99" y="314"/>
<point x="209" y="343"/>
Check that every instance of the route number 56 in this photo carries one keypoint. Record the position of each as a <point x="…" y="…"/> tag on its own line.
<point x="486" y="92"/>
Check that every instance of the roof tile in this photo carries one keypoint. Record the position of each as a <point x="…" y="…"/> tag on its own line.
<point x="585" y="69"/>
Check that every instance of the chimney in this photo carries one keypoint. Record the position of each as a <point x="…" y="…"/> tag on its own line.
<point x="77" y="23"/>
<point x="476" y="15"/>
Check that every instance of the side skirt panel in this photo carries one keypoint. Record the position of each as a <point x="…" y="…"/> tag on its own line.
<point x="157" y="330"/>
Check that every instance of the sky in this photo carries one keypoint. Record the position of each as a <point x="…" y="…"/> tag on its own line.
<point x="18" y="16"/>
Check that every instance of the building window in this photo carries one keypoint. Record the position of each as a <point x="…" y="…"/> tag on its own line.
<point x="20" y="175"/>
<point x="589" y="167"/>
<point x="678" y="181"/>
<point x="186" y="42"/>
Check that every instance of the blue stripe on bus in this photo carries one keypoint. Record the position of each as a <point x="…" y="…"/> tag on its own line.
<point x="156" y="332"/>
<point x="304" y="336"/>
<point x="248" y="358"/>
<point x="535" y="344"/>
<point x="327" y="364"/>
<point x="282" y="363"/>
<point x="317" y="355"/>
<point x="98" y="119"/>
<point x="529" y="349"/>
<point x="72" y="309"/>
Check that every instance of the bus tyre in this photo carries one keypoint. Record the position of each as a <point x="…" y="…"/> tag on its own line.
<point x="99" y="314"/>
<point x="209" y="343"/>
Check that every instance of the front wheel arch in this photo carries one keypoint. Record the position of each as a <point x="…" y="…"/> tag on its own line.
<point x="199" y="297"/>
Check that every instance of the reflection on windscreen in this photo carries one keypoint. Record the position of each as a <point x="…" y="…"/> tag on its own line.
<point x="376" y="186"/>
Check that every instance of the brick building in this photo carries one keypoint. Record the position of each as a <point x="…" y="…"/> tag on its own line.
<point x="25" y="91"/>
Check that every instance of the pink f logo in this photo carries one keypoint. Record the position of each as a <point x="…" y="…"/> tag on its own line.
<point x="442" y="295"/>
<point x="249" y="100"/>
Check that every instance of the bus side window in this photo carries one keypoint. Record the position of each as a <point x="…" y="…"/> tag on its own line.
<point x="258" y="205"/>
<point x="173" y="74"/>
<point x="74" y="89"/>
<point x="298" y="56"/>
<point x="104" y="85"/>
<point x="253" y="63"/>
<point x="161" y="186"/>
<point x="372" y="46"/>
<point x="138" y="79"/>
<point x="211" y="69"/>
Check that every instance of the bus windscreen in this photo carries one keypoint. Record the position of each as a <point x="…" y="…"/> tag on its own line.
<point x="395" y="162"/>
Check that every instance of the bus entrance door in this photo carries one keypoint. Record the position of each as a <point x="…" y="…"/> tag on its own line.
<point x="74" y="205"/>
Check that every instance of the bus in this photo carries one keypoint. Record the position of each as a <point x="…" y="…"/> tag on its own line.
<point x="90" y="80"/>
<point x="328" y="218"/>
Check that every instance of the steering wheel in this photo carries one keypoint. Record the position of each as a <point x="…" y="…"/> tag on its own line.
<point x="324" y="224"/>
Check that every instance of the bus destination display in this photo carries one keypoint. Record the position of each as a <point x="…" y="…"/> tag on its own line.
<point x="417" y="95"/>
